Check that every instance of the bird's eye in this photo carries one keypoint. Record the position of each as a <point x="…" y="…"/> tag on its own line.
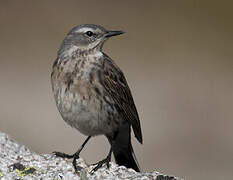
<point x="89" y="33"/>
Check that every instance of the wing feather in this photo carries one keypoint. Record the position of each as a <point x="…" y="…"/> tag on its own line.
<point x="117" y="88"/>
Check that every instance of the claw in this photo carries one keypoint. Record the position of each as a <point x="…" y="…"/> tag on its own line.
<point x="62" y="155"/>
<point x="101" y="163"/>
<point x="75" y="156"/>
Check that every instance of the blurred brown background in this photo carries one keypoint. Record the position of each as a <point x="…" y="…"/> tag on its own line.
<point x="176" y="55"/>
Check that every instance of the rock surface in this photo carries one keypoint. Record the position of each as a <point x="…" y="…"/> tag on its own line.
<point x="18" y="162"/>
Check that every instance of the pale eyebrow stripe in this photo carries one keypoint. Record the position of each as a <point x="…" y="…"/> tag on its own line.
<point x="85" y="29"/>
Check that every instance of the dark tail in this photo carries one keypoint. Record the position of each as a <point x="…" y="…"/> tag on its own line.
<point x="123" y="150"/>
<point x="126" y="158"/>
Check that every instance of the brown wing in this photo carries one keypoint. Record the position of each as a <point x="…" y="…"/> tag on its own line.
<point x="116" y="86"/>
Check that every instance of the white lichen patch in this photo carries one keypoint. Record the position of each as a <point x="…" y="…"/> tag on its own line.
<point x="18" y="162"/>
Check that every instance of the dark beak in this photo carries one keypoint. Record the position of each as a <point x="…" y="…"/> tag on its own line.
<point x="113" y="33"/>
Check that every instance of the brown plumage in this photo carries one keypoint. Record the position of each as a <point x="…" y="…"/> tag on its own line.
<point x="117" y="88"/>
<point x="92" y="94"/>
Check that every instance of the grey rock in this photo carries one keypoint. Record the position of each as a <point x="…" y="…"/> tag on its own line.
<point x="18" y="162"/>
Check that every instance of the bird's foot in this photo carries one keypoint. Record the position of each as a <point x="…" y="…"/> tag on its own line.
<point x="75" y="156"/>
<point x="101" y="163"/>
<point x="63" y="155"/>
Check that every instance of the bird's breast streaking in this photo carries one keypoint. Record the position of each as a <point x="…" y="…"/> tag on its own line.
<point x="92" y="94"/>
<point x="79" y="94"/>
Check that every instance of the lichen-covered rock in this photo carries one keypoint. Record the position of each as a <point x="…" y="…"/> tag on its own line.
<point x="18" y="162"/>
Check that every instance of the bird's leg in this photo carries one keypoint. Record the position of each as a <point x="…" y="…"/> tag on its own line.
<point x="104" y="161"/>
<point x="75" y="155"/>
<point x="68" y="156"/>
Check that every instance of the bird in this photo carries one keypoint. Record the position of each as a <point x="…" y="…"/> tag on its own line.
<point x="93" y="96"/>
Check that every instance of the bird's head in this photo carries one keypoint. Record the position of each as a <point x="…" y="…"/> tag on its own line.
<point x="86" y="37"/>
